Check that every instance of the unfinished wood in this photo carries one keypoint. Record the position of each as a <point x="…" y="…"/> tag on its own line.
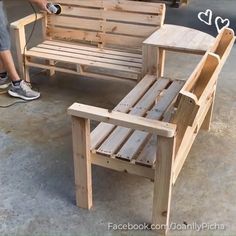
<point x="150" y="60"/>
<point x="95" y="50"/>
<point x="131" y="147"/>
<point x="72" y="54"/>
<point x="82" y="162"/>
<point x="161" y="62"/>
<point x="103" y="129"/>
<point x="122" y="119"/>
<point x="121" y="166"/>
<point x="163" y="182"/>
<point x="181" y="38"/>
<point x="83" y="3"/>
<point x="61" y="58"/>
<point x="117" y="137"/>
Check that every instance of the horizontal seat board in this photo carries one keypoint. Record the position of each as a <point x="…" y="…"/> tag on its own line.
<point x="148" y="7"/>
<point x="74" y="54"/>
<point x="118" y="136"/>
<point x="117" y="41"/>
<point x="90" y="53"/>
<point x="94" y="49"/>
<point x="98" y="25"/>
<point x="132" y="146"/>
<point x="148" y="154"/>
<point x="103" y="129"/>
<point x="55" y="57"/>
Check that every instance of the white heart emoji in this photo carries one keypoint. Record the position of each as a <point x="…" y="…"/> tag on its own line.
<point x="207" y="17"/>
<point x="221" y="23"/>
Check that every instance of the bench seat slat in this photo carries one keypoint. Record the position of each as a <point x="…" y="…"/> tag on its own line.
<point x="93" y="54"/>
<point x="93" y="49"/>
<point x="132" y="146"/>
<point x="118" y="136"/>
<point x="74" y="54"/>
<point x="61" y="58"/>
<point x="103" y="129"/>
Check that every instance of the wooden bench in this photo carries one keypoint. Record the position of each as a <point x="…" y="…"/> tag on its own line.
<point x="95" y="37"/>
<point x="150" y="132"/>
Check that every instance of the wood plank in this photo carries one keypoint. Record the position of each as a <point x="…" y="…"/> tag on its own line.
<point x="94" y="49"/>
<point x="118" y="136"/>
<point x="131" y="6"/>
<point x="122" y="119"/>
<point x="137" y="18"/>
<point x="74" y="35"/>
<point x="90" y="53"/>
<point x="132" y="146"/>
<point x="83" y="3"/>
<point x="103" y="129"/>
<point x="73" y="54"/>
<point x="74" y="22"/>
<point x="122" y="166"/>
<point x="82" y="162"/>
<point x="80" y="61"/>
<point x="163" y="183"/>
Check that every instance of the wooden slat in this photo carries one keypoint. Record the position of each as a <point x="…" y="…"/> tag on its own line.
<point x="132" y="146"/>
<point x="74" y="35"/>
<point x="117" y="137"/>
<point x="93" y="49"/>
<point x="83" y="3"/>
<point x="55" y="57"/>
<point x="103" y="129"/>
<point x="74" y="22"/>
<point x="137" y="18"/>
<point x="72" y="54"/>
<point x="91" y="53"/>
<point x="132" y="6"/>
<point x="129" y="29"/>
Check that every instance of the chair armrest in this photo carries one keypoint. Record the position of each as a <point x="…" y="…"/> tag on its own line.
<point x="122" y="119"/>
<point x="26" y="20"/>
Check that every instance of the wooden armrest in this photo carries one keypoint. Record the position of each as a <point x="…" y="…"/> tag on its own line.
<point x="122" y="119"/>
<point x="26" y="20"/>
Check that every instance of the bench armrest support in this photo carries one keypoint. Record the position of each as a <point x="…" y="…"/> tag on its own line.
<point x="26" y="20"/>
<point x="122" y="119"/>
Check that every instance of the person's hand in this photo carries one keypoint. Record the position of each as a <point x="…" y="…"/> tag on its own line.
<point x="42" y="4"/>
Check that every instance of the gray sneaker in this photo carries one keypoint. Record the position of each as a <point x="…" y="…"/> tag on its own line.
<point x="23" y="91"/>
<point x="4" y="82"/>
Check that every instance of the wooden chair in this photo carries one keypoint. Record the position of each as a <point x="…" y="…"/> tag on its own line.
<point x="150" y="132"/>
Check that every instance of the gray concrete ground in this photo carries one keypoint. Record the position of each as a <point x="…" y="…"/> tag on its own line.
<point x="36" y="168"/>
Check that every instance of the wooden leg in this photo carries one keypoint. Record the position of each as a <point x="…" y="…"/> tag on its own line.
<point x="149" y="60"/>
<point x="82" y="162"/>
<point x="161" y="62"/>
<point x="51" y="71"/>
<point x="26" y="74"/>
<point x="206" y="125"/>
<point x="163" y="183"/>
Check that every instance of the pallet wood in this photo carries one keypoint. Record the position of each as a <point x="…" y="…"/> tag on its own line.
<point x="109" y="28"/>
<point x="157" y="137"/>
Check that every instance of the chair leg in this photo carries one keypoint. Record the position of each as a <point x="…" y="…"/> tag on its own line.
<point x="161" y="62"/>
<point x="82" y="162"/>
<point x="51" y="71"/>
<point x="163" y="184"/>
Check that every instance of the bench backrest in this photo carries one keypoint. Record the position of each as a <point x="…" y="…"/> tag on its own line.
<point x="106" y="23"/>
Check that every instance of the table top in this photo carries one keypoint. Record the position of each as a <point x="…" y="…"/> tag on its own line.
<point x="180" y="38"/>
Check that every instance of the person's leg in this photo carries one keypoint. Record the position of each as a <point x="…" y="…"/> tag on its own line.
<point x="7" y="65"/>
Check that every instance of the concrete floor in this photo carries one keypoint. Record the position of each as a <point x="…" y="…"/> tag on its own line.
<point x="36" y="170"/>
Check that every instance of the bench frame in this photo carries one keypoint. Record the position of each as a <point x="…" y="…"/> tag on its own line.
<point x="193" y="112"/>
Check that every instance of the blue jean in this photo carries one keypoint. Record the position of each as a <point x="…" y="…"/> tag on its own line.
<point x="5" y="42"/>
